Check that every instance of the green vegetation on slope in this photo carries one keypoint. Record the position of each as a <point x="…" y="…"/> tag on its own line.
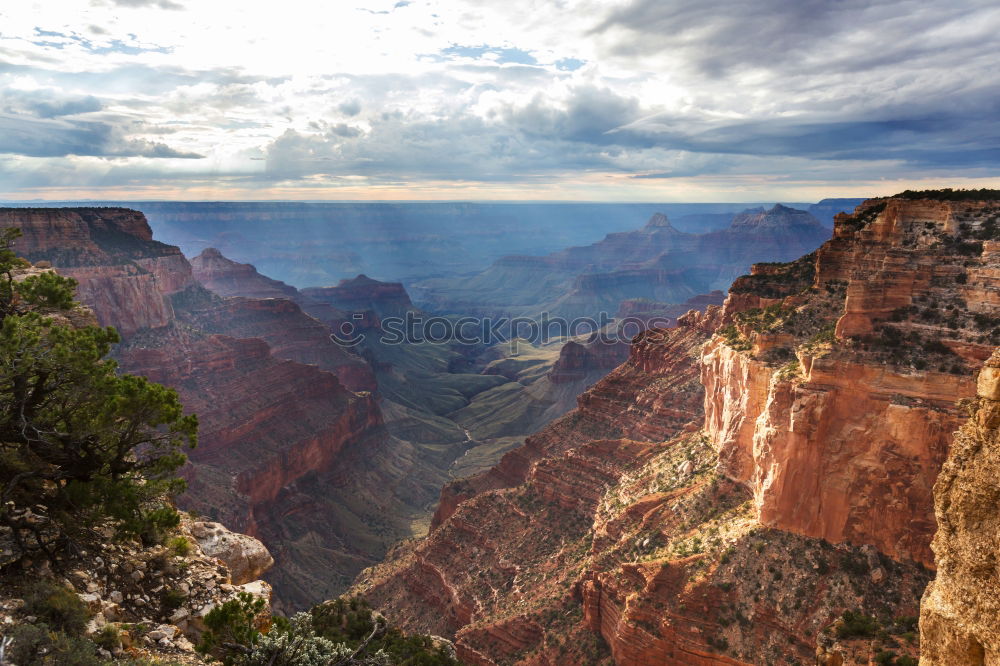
<point x="344" y="631"/>
<point x="948" y="194"/>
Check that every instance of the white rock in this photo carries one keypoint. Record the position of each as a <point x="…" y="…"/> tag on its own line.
<point x="182" y="643"/>
<point x="93" y="601"/>
<point x="258" y="588"/>
<point x="95" y="624"/>
<point x="246" y="557"/>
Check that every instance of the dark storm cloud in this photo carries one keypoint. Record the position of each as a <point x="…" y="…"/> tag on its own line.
<point x="823" y="79"/>
<point x="40" y="137"/>
<point x="46" y="104"/>
<point x="936" y="134"/>
<point x="719" y="36"/>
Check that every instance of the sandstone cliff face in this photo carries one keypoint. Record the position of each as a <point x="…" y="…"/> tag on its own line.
<point x="958" y="616"/>
<point x="289" y="332"/>
<point x="838" y="378"/>
<point x="256" y="306"/>
<point x="125" y="276"/>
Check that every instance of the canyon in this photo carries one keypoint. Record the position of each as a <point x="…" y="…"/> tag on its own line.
<point x="748" y="484"/>
<point x="748" y="479"/>
<point x="311" y="243"/>
<point x="329" y="454"/>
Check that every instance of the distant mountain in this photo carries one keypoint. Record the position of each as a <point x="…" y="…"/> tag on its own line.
<point x="827" y="208"/>
<point x="308" y="244"/>
<point x="658" y="262"/>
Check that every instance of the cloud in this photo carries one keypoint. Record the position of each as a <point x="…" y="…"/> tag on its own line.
<point x="471" y="91"/>
<point x="351" y="107"/>
<point x="40" y="137"/>
<point x="161" y="4"/>
<point x="49" y="104"/>
<point x="719" y="37"/>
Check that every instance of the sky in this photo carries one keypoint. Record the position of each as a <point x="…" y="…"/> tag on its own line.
<point x="594" y="100"/>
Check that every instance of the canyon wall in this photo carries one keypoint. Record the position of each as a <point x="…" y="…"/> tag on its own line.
<point x="125" y="276"/>
<point x="860" y="420"/>
<point x="958" y="616"/>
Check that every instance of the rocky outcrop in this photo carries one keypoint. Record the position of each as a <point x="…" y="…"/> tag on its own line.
<point x="156" y="597"/>
<point x="838" y="378"/>
<point x="778" y="217"/>
<point x="958" y="616"/>
<point x="125" y="276"/>
<point x="846" y="435"/>
<point x="578" y="361"/>
<point x="245" y="557"/>
<point x="230" y="278"/>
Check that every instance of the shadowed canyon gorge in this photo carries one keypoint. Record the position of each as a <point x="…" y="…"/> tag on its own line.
<point x="753" y="478"/>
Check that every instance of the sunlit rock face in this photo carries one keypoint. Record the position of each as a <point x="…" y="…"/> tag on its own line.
<point x="862" y="425"/>
<point x="958" y="616"/>
<point x="125" y="276"/>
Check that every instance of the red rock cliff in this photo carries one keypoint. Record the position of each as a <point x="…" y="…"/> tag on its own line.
<point x="125" y="276"/>
<point x="842" y="389"/>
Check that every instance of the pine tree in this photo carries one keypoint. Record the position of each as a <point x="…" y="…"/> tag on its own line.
<point x="85" y="443"/>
